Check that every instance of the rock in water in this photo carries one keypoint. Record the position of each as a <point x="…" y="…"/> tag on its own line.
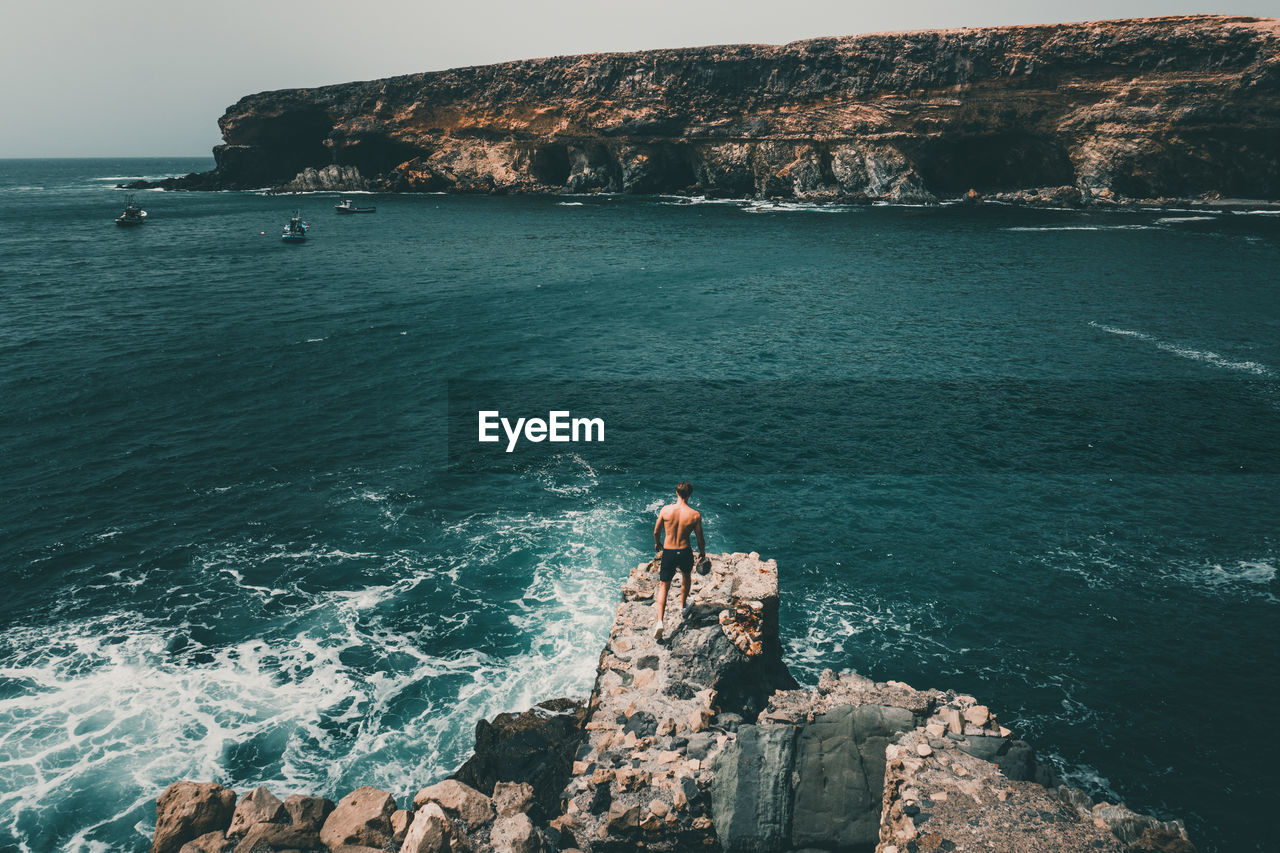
<point x="188" y="810"/>
<point x="458" y="800"/>
<point x="535" y="746"/>
<point x="308" y="812"/>
<point x="260" y="806"/>
<point x="1084" y="113"/>
<point x="329" y="178"/>
<point x="361" y="818"/>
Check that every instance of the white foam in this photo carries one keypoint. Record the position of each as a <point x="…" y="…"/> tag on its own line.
<point x="567" y="474"/>
<point x="1129" y="227"/>
<point x="569" y="204"/>
<point x="1172" y="219"/>
<point x="334" y="693"/>
<point x="1207" y="356"/>
<point x="1255" y="572"/>
<point x="795" y="207"/>
<point x="1086" y="777"/>
<point x="881" y="627"/>
<point x="684" y="201"/>
<point x="1101" y="566"/>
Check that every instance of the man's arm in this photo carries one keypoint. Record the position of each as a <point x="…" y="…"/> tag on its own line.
<point x="702" y="542"/>
<point x="657" y="533"/>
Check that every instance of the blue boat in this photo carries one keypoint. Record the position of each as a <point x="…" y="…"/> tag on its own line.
<point x="296" y="230"/>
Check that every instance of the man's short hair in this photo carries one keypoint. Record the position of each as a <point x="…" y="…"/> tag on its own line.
<point x="684" y="488"/>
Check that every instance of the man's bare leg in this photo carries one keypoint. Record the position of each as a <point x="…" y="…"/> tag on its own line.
<point x="686" y="581"/>
<point x="661" y="605"/>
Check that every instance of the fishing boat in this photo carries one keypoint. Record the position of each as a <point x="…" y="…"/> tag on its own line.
<point x="296" y="230"/>
<point x="349" y="206"/>
<point x="133" y="214"/>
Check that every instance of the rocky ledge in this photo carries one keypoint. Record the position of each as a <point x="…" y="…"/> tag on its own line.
<point x="701" y="740"/>
<point x="1183" y="107"/>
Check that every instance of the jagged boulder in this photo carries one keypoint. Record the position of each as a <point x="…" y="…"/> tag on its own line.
<point x="514" y="833"/>
<point x="431" y="831"/>
<point x="259" y="806"/>
<point x="308" y="812"/>
<point x="331" y="178"/>
<point x="512" y="798"/>
<point x="188" y="810"/>
<point x="534" y="746"/>
<point x="361" y="818"/>
<point x="459" y="801"/>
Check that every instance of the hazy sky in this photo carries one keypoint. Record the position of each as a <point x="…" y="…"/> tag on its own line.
<point x="151" y="77"/>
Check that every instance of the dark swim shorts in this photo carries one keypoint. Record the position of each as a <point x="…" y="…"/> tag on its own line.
<point x="675" y="558"/>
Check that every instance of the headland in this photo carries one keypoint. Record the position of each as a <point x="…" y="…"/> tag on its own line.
<point x="1146" y="110"/>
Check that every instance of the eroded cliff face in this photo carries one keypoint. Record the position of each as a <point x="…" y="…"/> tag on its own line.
<point x="1160" y="107"/>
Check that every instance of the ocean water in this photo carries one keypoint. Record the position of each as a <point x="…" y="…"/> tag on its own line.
<point x="245" y="534"/>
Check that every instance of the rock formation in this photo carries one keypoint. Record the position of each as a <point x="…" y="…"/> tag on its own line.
<point x="701" y="740"/>
<point x="1088" y="113"/>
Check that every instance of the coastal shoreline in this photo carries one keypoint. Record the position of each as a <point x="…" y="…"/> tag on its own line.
<point x="1154" y="111"/>
<point x="702" y="740"/>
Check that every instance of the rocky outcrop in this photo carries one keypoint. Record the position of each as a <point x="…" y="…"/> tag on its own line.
<point x="661" y="708"/>
<point x="1088" y="113"/>
<point x="534" y="747"/>
<point x="699" y="739"/>
<point x="329" y="178"/>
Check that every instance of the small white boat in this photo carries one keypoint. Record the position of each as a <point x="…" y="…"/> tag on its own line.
<point x="349" y="206"/>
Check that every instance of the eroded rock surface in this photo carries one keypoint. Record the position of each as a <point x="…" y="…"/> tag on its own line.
<point x="1086" y="113"/>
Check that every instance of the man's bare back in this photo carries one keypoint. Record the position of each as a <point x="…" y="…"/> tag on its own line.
<point x="679" y="520"/>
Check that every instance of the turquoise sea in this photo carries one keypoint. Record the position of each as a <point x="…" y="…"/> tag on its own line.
<point x="246" y="533"/>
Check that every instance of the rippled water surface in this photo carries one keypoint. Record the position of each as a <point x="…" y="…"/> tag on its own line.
<point x="233" y="547"/>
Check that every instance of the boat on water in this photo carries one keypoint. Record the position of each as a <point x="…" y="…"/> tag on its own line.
<point x="133" y="214"/>
<point x="349" y="206"/>
<point x="296" y="230"/>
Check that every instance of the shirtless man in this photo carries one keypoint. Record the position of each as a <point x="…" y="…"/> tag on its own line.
<point x="671" y="541"/>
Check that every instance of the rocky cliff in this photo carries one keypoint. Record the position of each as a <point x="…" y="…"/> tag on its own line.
<point x="701" y="740"/>
<point x="1184" y="107"/>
